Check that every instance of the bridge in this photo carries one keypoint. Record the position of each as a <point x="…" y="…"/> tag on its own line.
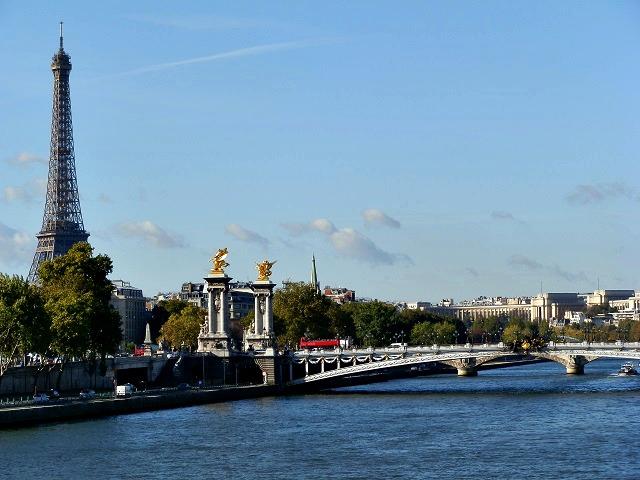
<point x="329" y="366"/>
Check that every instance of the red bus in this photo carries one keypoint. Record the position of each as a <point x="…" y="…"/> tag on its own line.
<point x="306" y="343"/>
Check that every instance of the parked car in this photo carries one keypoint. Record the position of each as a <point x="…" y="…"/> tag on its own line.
<point x="40" y="398"/>
<point x="87" y="394"/>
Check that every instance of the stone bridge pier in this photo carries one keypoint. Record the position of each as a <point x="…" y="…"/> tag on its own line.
<point x="468" y="367"/>
<point x="574" y="364"/>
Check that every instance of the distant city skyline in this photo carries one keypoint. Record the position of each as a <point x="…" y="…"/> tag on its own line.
<point x="420" y="153"/>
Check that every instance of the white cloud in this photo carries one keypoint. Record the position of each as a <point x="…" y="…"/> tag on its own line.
<point x="373" y="216"/>
<point x="323" y="225"/>
<point x="351" y="243"/>
<point x="16" y="248"/>
<point x="27" y="193"/>
<point x="24" y="159"/>
<point x="150" y="233"/>
<point x="347" y="242"/>
<point x="245" y="235"/>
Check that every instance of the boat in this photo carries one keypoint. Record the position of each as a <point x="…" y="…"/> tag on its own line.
<point x="627" y="369"/>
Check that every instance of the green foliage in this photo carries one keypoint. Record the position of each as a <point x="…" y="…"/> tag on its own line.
<point x="183" y="327"/>
<point x="376" y="323"/>
<point x="441" y="333"/>
<point x="423" y="333"/>
<point x="486" y="329"/>
<point x="247" y="321"/>
<point x="516" y="331"/>
<point x="24" y="322"/>
<point x="628" y="331"/>
<point x="298" y="311"/>
<point x="78" y="293"/>
<point x="173" y="305"/>
<point x="523" y="334"/>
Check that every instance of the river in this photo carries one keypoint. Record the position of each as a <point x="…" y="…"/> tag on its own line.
<point x="527" y="422"/>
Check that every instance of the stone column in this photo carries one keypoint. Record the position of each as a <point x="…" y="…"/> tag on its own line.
<point x="222" y="312"/>
<point x="211" y="312"/>
<point x="260" y="336"/>
<point x="268" y="322"/>
<point x="216" y="338"/>
<point x="258" y="314"/>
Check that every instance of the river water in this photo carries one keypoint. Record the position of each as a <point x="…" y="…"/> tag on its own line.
<point x="525" y="422"/>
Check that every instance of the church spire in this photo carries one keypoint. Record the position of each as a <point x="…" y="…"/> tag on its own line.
<point x="314" y="275"/>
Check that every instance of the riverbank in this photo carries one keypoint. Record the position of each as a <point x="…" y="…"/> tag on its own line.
<point x="15" y="417"/>
<point x="79" y="410"/>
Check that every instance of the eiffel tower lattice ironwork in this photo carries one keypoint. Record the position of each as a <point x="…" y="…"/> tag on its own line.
<point x="62" y="224"/>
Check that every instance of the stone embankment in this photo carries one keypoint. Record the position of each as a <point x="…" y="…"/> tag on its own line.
<point x="78" y="410"/>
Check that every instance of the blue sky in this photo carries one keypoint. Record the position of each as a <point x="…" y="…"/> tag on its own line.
<point x="425" y="150"/>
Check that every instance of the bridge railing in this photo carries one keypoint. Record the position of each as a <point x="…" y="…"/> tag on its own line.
<point x="618" y="345"/>
<point x="433" y="349"/>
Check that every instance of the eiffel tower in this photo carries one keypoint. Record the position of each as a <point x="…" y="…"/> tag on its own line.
<point x="62" y="224"/>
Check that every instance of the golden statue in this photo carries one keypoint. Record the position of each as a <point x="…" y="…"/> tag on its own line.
<point x="219" y="263"/>
<point x="264" y="270"/>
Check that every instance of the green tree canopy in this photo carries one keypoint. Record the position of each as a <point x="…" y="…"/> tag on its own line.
<point x="78" y="293"/>
<point x="441" y="333"/>
<point x="423" y="333"/>
<point x="376" y="323"/>
<point x="25" y="325"/>
<point x="183" y="327"/>
<point x="298" y="311"/>
<point x="161" y="313"/>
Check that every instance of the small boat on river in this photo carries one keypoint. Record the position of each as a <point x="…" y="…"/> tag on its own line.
<point x="627" y="370"/>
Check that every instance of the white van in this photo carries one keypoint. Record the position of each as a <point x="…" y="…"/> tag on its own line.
<point x="125" y="390"/>
<point x="397" y="345"/>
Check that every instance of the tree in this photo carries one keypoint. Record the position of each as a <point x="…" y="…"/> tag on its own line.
<point x="441" y="333"/>
<point x="376" y="323"/>
<point x="25" y="326"/>
<point x="340" y="321"/>
<point x="485" y="329"/>
<point x="77" y="294"/>
<point x="423" y="333"/>
<point x="516" y="331"/>
<point x="300" y="311"/>
<point x="445" y="333"/>
<point x="161" y="313"/>
<point x="183" y="327"/>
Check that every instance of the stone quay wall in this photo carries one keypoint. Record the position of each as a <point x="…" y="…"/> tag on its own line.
<point x="35" y="415"/>
<point x="78" y="375"/>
